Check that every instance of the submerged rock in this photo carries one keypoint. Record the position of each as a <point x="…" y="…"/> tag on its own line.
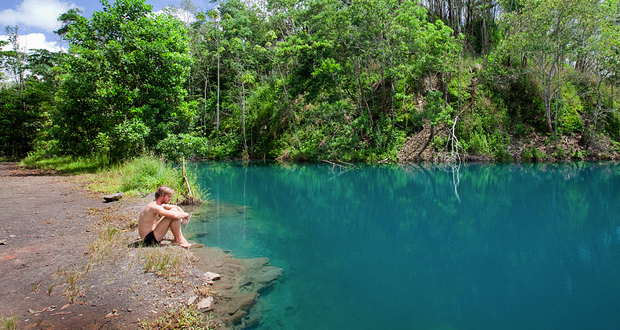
<point x="259" y="275"/>
<point x="238" y="287"/>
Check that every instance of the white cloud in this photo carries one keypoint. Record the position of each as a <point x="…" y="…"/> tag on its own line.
<point x="32" y="41"/>
<point x="38" y="14"/>
<point x="184" y="15"/>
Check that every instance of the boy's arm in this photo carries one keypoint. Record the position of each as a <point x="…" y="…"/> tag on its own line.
<point x="169" y="212"/>
<point x="172" y="207"/>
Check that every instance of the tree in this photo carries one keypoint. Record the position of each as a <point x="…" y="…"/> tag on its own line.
<point x="14" y="60"/>
<point x="548" y="32"/>
<point x="605" y="52"/>
<point x="124" y="85"/>
<point x="68" y="18"/>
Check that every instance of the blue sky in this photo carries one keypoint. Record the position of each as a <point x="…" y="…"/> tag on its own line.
<point x="36" y="19"/>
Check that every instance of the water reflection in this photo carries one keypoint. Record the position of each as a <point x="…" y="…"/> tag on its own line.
<point x="421" y="246"/>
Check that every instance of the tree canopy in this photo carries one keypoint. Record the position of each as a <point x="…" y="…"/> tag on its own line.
<point x="356" y="80"/>
<point x="123" y="89"/>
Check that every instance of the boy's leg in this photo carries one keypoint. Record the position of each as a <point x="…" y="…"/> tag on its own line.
<point x="162" y="228"/>
<point x="175" y="226"/>
<point x="179" y="240"/>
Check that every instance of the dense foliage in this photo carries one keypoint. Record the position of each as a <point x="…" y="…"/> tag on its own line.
<point x="356" y="80"/>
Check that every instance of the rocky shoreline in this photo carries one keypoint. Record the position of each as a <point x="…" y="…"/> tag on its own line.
<point x="237" y="287"/>
<point x="224" y="287"/>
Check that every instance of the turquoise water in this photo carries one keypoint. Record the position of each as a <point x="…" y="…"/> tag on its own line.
<point x="424" y="247"/>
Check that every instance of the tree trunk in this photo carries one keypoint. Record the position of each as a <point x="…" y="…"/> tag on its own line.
<point x="245" y="143"/>
<point x="217" y="121"/>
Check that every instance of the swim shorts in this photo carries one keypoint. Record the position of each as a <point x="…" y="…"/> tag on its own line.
<point x="150" y="240"/>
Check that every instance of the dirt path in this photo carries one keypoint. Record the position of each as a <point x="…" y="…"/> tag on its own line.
<point x="45" y="230"/>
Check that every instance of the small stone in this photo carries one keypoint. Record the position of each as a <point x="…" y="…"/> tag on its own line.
<point x="113" y="313"/>
<point x="191" y="300"/>
<point x="211" y="276"/>
<point x="206" y="304"/>
<point x="113" y="197"/>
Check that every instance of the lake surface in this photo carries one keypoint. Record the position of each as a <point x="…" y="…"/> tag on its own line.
<point x="423" y="247"/>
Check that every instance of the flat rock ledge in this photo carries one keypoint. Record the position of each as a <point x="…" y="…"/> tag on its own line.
<point x="234" y="286"/>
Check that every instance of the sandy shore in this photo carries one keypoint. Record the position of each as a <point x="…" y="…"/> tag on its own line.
<point x="67" y="263"/>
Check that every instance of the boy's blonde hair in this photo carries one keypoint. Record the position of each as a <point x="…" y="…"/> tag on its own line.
<point x="163" y="191"/>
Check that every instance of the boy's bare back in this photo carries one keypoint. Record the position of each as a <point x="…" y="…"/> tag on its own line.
<point x="148" y="218"/>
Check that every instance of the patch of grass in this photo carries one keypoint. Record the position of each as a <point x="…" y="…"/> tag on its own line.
<point x="205" y="290"/>
<point x="135" y="177"/>
<point x="184" y="318"/>
<point x="66" y="164"/>
<point x="142" y="176"/>
<point x="162" y="261"/>
<point x="73" y="290"/>
<point x="114" y="218"/>
<point x="36" y="287"/>
<point x="50" y="289"/>
<point x="8" y="322"/>
<point x="107" y="245"/>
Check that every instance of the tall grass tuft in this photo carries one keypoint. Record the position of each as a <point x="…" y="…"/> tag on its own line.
<point x="137" y="176"/>
<point x="106" y="245"/>
<point x="148" y="173"/>
<point x="162" y="261"/>
<point x="8" y="322"/>
<point x="143" y="175"/>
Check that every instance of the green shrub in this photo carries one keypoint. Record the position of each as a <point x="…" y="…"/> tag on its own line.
<point x="175" y="147"/>
<point x="532" y="155"/>
<point x="224" y="146"/>
<point x="520" y="130"/>
<point x="502" y="155"/>
<point x="478" y="144"/>
<point x="569" y="118"/>
<point x="559" y="154"/>
<point x="439" y="143"/>
<point x="580" y="154"/>
<point x="127" y="139"/>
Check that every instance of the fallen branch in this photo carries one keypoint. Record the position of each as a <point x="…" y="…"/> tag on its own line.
<point x="329" y="162"/>
<point x="189" y="190"/>
<point x="189" y="198"/>
<point x="342" y="168"/>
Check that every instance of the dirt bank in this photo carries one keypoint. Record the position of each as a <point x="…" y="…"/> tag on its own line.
<point x="65" y="262"/>
<point x="423" y="147"/>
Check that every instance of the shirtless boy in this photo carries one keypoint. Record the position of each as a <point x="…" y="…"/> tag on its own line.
<point x="158" y="216"/>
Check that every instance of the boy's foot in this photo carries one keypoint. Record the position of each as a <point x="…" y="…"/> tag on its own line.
<point x="183" y="244"/>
